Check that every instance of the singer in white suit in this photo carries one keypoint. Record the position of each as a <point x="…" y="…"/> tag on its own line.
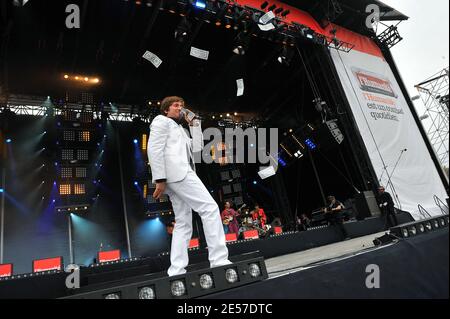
<point x="170" y="153"/>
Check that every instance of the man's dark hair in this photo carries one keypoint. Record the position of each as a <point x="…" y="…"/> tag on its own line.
<point x="168" y="101"/>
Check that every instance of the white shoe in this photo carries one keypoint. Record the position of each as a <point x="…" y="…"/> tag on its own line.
<point x="220" y="264"/>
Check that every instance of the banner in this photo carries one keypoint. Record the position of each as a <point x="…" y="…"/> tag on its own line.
<point x="396" y="148"/>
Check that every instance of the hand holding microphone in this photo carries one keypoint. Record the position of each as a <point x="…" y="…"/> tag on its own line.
<point x="189" y="116"/>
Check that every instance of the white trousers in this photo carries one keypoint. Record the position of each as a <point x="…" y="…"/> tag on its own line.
<point x="187" y="195"/>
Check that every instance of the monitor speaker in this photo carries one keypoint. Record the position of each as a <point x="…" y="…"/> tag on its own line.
<point x="366" y="205"/>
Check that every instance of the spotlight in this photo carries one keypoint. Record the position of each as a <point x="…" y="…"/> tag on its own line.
<point x="8" y="140"/>
<point x="178" y="288"/>
<point x="183" y="30"/>
<point x="285" y="13"/>
<point x="405" y="232"/>
<point x="428" y="226"/>
<point x="135" y="141"/>
<point x="412" y="230"/>
<point x="135" y="183"/>
<point x="86" y="79"/>
<point x="442" y="221"/>
<point x="146" y="293"/>
<point x="201" y="4"/>
<point x="278" y="11"/>
<point x="231" y="275"/>
<point x="241" y="44"/>
<point x="286" y="55"/>
<point x="254" y="270"/>
<point x="435" y="223"/>
<point x="421" y="228"/>
<point x="206" y="281"/>
<point x="255" y="182"/>
<point x="2" y="190"/>
<point x="66" y="76"/>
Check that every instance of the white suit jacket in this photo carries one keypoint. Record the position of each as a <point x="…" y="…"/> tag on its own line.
<point x="170" y="148"/>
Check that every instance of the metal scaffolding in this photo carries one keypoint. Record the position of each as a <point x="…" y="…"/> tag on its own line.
<point x="434" y="94"/>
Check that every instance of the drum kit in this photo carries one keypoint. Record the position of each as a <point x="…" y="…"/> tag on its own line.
<point x="247" y="223"/>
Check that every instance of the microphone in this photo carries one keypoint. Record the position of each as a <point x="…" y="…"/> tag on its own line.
<point x="189" y="114"/>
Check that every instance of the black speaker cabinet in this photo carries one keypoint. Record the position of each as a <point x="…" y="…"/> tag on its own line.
<point x="366" y="205"/>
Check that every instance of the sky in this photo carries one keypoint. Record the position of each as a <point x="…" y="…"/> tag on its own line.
<point x="424" y="50"/>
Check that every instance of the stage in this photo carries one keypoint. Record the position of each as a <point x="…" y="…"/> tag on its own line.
<point x="279" y="250"/>
<point x="410" y="268"/>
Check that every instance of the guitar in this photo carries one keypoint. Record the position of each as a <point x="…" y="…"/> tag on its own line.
<point x="228" y="219"/>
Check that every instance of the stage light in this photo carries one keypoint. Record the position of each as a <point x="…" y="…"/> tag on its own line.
<point x="2" y="190"/>
<point x="428" y="226"/>
<point x="442" y="221"/>
<point x="255" y="182"/>
<point x="405" y="232"/>
<point x="435" y="223"/>
<point x="86" y="79"/>
<point x="66" y="76"/>
<point x="310" y="144"/>
<point x="96" y="80"/>
<point x="286" y="55"/>
<point x="183" y="30"/>
<point x="285" y="13"/>
<point x="201" y="4"/>
<point x="178" y="288"/>
<point x="412" y="230"/>
<point x="113" y="296"/>
<point x="206" y="281"/>
<point x="235" y="113"/>
<point x="254" y="270"/>
<point x="146" y="293"/>
<point x="76" y="78"/>
<point x="8" y="140"/>
<point x="421" y="228"/>
<point x="136" y="183"/>
<point x="278" y="11"/>
<point x="228" y="114"/>
<point x="135" y="141"/>
<point x="231" y="275"/>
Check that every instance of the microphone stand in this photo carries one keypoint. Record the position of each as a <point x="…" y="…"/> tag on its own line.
<point x="390" y="176"/>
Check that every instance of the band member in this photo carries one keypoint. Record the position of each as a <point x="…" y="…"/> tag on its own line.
<point x="386" y="205"/>
<point x="259" y="215"/>
<point x="170" y="157"/>
<point x="303" y="222"/>
<point x="229" y="219"/>
<point x="334" y="213"/>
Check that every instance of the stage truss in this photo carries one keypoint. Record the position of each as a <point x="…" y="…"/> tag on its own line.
<point x="434" y="94"/>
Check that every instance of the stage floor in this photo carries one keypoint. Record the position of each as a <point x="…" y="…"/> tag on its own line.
<point x="290" y="263"/>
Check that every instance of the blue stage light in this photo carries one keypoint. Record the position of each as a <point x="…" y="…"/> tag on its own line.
<point x="311" y="145"/>
<point x="135" y="141"/>
<point x="2" y="190"/>
<point x="136" y="183"/>
<point x="201" y="4"/>
<point x="254" y="182"/>
<point x="8" y="140"/>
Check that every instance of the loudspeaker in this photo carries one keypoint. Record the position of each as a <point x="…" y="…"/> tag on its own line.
<point x="366" y="205"/>
<point x="383" y="240"/>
